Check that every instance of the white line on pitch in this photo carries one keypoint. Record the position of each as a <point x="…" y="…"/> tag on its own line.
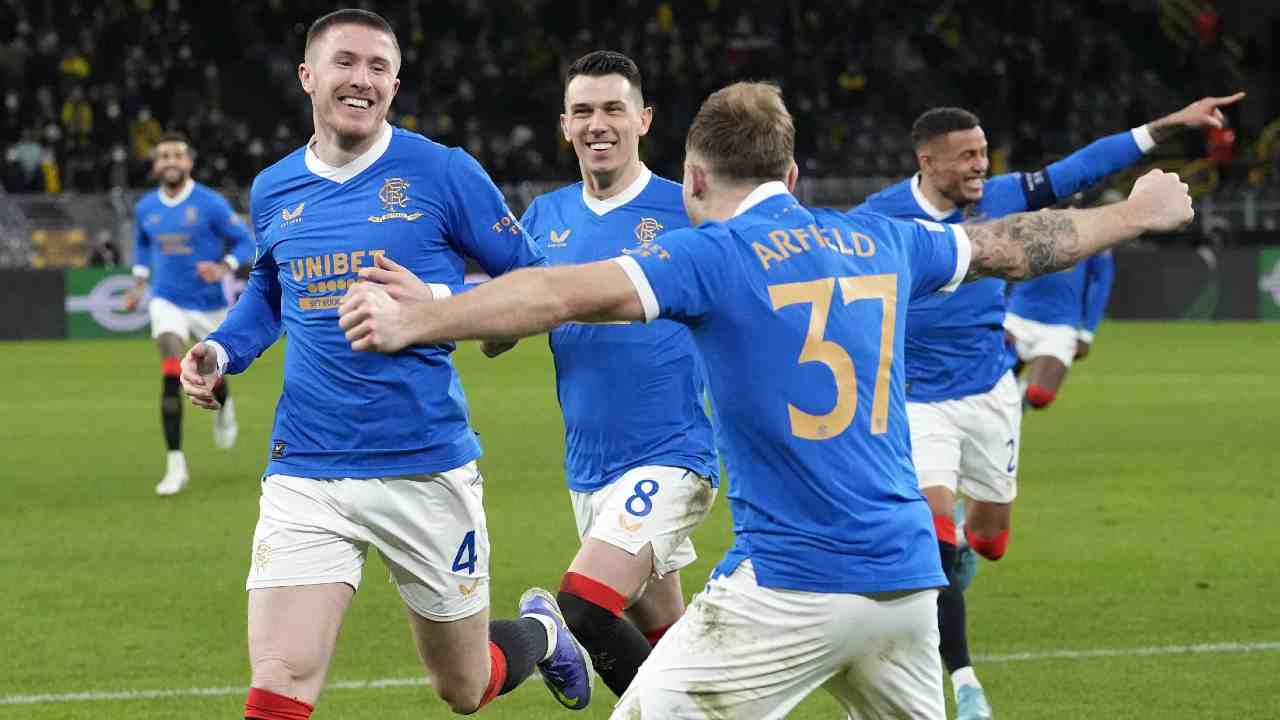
<point x="1131" y="652"/>
<point x="101" y="696"/>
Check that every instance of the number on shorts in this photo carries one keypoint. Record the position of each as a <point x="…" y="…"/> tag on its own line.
<point x="644" y="493"/>
<point x="1013" y="453"/>
<point x="466" y="557"/>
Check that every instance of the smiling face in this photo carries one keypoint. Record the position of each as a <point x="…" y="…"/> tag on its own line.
<point x="956" y="164"/>
<point x="172" y="163"/>
<point x="350" y="73"/>
<point x="605" y="118"/>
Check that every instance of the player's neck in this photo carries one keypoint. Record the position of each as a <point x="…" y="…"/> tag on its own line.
<point x="937" y="199"/>
<point x="173" y="191"/>
<point x="721" y="205"/>
<point x="603" y="186"/>
<point x="337" y="150"/>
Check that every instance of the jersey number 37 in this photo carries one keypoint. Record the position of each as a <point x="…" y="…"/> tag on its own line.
<point x="819" y="294"/>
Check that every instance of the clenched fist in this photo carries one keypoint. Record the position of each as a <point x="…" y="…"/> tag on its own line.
<point x="1160" y="202"/>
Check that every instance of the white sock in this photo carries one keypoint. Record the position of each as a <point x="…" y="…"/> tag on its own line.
<point x="964" y="676"/>
<point x="550" y="625"/>
<point x="175" y="457"/>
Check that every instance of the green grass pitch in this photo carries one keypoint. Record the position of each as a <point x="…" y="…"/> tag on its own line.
<point x="1146" y="521"/>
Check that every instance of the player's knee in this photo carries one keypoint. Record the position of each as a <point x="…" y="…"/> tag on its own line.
<point x="279" y="675"/>
<point x="463" y="698"/>
<point x="171" y="398"/>
<point x="991" y="548"/>
<point x="588" y="603"/>
<point x="1039" y="396"/>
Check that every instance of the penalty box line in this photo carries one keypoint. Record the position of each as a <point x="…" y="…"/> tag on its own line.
<point x="110" y="695"/>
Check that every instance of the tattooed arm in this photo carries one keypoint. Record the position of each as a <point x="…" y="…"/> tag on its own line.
<point x="1025" y="245"/>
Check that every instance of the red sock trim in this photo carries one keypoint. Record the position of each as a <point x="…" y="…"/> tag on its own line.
<point x="989" y="548"/>
<point x="945" y="527"/>
<point x="1039" y="396"/>
<point x="497" y="674"/>
<point x="594" y="592"/>
<point x="171" y="367"/>
<point x="653" y="636"/>
<point x="266" y="705"/>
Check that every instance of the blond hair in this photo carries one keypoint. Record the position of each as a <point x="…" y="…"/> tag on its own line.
<point x="744" y="133"/>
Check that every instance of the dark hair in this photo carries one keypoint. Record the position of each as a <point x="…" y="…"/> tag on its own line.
<point x="599" y="63"/>
<point x="349" y="16"/>
<point x="744" y="132"/>
<point x="173" y="136"/>
<point x="940" y="121"/>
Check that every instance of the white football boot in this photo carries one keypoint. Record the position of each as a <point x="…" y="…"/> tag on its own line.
<point x="224" y="425"/>
<point x="175" y="474"/>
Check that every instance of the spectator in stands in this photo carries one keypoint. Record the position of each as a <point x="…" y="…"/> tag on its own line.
<point x="22" y="164"/>
<point x="1221" y="145"/>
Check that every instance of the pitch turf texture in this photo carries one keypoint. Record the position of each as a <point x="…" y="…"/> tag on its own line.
<point x="1146" y="520"/>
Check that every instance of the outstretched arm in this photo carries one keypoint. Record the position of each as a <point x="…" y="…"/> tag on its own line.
<point x="1025" y="245"/>
<point x="1202" y="113"/>
<point x="1113" y="153"/>
<point x="518" y="304"/>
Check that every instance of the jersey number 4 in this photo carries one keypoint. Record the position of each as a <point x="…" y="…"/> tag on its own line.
<point x="818" y="294"/>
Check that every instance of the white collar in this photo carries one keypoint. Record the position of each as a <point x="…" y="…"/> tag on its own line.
<point x="762" y="192"/>
<point x="637" y="186"/>
<point x="355" y="166"/>
<point x="180" y="198"/>
<point x="924" y="203"/>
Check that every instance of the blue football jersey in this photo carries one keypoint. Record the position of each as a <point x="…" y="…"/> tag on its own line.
<point x="171" y="235"/>
<point x="799" y="316"/>
<point x="342" y="413"/>
<point x="1076" y="296"/>
<point x="955" y="342"/>
<point x="631" y="393"/>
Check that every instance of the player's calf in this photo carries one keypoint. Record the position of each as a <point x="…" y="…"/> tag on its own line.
<point x="171" y="402"/>
<point x="991" y="548"/>
<point x="1039" y="396"/>
<point x="593" y="612"/>
<point x="266" y="705"/>
<point x="175" y="474"/>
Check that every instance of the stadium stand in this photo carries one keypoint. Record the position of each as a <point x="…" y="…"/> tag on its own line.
<point x="88" y="86"/>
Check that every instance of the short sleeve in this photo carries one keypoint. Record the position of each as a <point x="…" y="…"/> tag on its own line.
<point x="481" y="224"/>
<point x="681" y="274"/>
<point x="939" y="253"/>
<point x="141" y="245"/>
<point x="529" y="221"/>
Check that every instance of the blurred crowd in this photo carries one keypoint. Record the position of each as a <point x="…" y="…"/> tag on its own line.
<point x="89" y="85"/>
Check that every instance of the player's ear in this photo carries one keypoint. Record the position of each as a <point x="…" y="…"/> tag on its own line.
<point x="696" y="177"/>
<point x="793" y="174"/>
<point x="925" y="160"/>
<point x="304" y="76"/>
<point x="564" y="128"/>
<point x="646" y="119"/>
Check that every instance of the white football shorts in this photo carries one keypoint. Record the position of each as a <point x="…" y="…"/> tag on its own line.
<point x="970" y="444"/>
<point x="745" y="651"/>
<point x="429" y="529"/>
<point x="650" y="504"/>
<point x="183" y="322"/>
<point x="1037" y="339"/>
